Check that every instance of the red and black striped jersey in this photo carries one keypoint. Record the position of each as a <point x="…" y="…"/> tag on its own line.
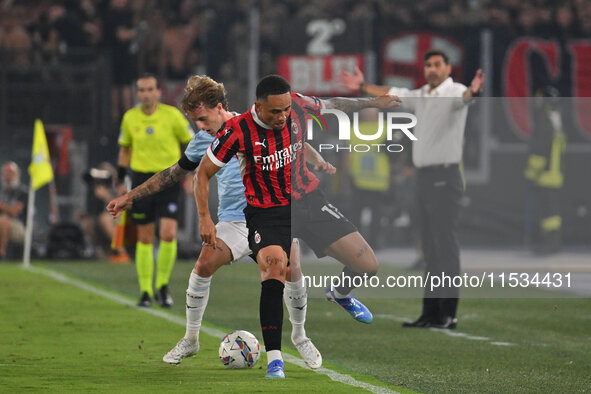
<point x="272" y="163"/>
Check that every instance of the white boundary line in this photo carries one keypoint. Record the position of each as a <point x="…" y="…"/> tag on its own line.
<point x="335" y="376"/>
<point x="449" y="333"/>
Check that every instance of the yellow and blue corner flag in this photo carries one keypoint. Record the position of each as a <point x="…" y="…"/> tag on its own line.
<point x="40" y="168"/>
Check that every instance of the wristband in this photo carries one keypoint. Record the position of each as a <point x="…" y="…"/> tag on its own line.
<point x="362" y="88"/>
<point x="121" y="172"/>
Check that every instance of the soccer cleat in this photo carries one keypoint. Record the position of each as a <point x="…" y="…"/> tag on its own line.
<point x="447" y="323"/>
<point x="351" y="305"/>
<point x="119" y="258"/>
<point x="275" y="370"/>
<point x="183" y="349"/>
<point x="309" y="353"/>
<point x="145" y="300"/>
<point x="163" y="297"/>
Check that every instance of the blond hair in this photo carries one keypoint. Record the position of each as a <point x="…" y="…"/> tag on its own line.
<point x="202" y="90"/>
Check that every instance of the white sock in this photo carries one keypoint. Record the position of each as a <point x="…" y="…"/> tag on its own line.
<point x="273" y="355"/>
<point x="296" y="300"/>
<point x="197" y="297"/>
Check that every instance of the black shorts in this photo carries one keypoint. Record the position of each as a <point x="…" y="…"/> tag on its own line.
<point x="164" y="204"/>
<point x="268" y="226"/>
<point x="319" y="223"/>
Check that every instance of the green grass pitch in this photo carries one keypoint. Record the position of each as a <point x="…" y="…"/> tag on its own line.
<point x="56" y="337"/>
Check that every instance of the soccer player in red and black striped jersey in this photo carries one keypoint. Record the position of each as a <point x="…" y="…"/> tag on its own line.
<point x="283" y="200"/>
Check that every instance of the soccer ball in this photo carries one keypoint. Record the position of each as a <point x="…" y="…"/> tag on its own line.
<point x="240" y="349"/>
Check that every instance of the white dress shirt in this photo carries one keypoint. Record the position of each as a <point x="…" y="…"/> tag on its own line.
<point x="441" y="119"/>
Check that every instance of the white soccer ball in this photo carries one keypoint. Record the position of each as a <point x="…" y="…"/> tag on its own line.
<point x="240" y="349"/>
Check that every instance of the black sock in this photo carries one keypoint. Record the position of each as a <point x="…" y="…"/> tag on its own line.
<point x="348" y="278"/>
<point x="271" y="313"/>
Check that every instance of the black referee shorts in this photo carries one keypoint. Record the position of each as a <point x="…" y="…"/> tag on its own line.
<point x="319" y="223"/>
<point x="164" y="204"/>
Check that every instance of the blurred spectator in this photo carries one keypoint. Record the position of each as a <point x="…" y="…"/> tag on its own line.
<point x="565" y="23"/>
<point x="152" y="44"/>
<point x="68" y="26"/>
<point x="97" y="222"/>
<point x="545" y="174"/>
<point x="14" y="41"/>
<point x="527" y="20"/>
<point x="118" y="33"/>
<point x="13" y="201"/>
<point x="180" y="44"/>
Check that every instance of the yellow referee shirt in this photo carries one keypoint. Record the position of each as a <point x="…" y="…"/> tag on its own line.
<point x="154" y="139"/>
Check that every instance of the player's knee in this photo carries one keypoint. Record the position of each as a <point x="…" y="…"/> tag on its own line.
<point x="204" y="268"/>
<point x="168" y="236"/>
<point x="273" y="265"/>
<point x="274" y="271"/>
<point x="372" y="267"/>
<point x="369" y="262"/>
<point x="372" y="272"/>
<point x="146" y="239"/>
<point x="273" y="274"/>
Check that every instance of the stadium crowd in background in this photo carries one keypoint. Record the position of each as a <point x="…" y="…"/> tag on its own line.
<point x="172" y="38"/>
<point x="175" y="39"/>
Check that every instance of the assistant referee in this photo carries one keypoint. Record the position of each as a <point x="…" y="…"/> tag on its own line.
<point x="150" y="141"/>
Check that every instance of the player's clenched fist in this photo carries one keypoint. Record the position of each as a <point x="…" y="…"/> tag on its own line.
<point x="118" y="205"/>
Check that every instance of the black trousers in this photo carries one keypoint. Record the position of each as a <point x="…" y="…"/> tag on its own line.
<point x="439" y="190"/>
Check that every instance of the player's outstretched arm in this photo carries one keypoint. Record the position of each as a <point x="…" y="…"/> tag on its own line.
<point x="356" y="81"/>
<point x="206" y="170"/>
<point x="316" y="159"/>
<point x="158" y="182"/>
<point x="355" y="104"/>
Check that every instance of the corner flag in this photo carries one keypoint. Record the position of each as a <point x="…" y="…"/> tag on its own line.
<point x="40" y="168"/>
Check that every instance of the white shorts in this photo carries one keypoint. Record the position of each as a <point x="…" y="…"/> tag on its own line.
<point x="235" y="235"/>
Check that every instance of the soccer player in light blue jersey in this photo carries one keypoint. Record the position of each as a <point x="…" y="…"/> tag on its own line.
<point x="205" y="103"/>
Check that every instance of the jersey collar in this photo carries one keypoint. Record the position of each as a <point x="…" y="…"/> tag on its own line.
<point x="439" y="90"/>
<point x="253" y="112"/>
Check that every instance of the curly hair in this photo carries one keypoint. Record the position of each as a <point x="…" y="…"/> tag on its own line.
<point x="202" y="90"/>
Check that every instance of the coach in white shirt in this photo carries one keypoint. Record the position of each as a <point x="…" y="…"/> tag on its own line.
<point x="441" y="110"/>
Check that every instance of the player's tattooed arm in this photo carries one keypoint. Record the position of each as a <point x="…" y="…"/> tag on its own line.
<point x="158" y="182"/>
<point x="162" y="180"/>
<point x="348" y="105"/>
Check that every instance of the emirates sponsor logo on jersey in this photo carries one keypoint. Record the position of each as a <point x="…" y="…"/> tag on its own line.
<point x="280" y="158"/>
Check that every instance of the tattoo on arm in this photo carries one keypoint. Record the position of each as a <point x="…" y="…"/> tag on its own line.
<point x="362" y="251"/>
<point x="348" y="104"/>
<point x="160" y="181"/>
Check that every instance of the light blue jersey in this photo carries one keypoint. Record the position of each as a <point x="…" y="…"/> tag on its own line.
<point x="230" y="187"/>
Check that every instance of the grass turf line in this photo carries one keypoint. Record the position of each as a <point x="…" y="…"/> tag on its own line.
<point x="551" y="336"/>
<point x="56" y="338"/>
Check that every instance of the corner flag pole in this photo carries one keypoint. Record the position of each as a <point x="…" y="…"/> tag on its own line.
<point x="29" y="227"/>
<point x="41" y="174"/>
